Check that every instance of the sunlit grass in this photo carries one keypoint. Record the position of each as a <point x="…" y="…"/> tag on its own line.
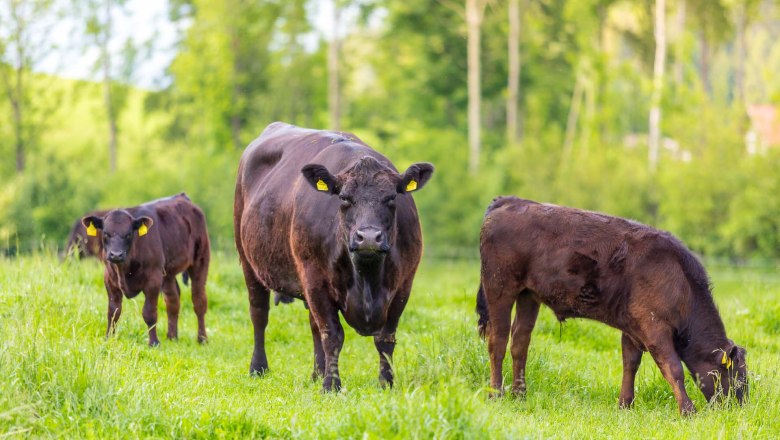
<point x="61" y="378"/>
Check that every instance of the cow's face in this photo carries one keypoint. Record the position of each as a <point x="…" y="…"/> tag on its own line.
<point x="724" y="372"/>
<point x="368" y="192"/>
<point x="118" y="229"/>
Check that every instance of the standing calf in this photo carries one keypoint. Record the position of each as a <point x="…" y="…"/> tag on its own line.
<point x="320" y="216"/>
<point x="642" y="281"/>
<point x="144" y="248"/>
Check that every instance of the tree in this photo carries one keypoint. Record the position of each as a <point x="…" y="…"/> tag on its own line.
<point x="24" y="44"/>
<point x="654" y="123"/>
<point x="475" y="13"/>
<point x="513" y="77"/>
<point x="334" y="56"/>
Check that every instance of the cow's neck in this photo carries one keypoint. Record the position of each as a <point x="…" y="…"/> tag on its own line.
<point x="366" y="297"/>
<point x="704" y="332"/>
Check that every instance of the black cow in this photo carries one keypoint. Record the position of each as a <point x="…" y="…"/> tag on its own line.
<point x="320" y="216"/>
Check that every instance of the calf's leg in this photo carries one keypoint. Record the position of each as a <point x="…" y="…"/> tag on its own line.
<point x="151" y="295"/>
<point x="527" y="310"/>
<point x="198" y="276"/>
<point x="114" y="308"/>
<point x="661" y="346"/>
<point x="319" y="353"/>
<point x="172" y="295"/>
<point x="632" y="356"/>
<point x="499" y="305"/>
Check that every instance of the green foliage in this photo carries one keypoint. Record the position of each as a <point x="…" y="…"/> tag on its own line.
<point x="61" y="378"/>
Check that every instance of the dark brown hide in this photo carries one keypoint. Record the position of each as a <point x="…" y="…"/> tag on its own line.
<point x="79" y="243"/>
<point x="176" y="242"/>
<point x="640" y="280"/>
<point x="322" y="217"/>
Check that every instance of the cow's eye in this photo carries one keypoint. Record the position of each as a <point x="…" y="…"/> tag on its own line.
<point x="106" y="235"/>
<point x="389" y="201"/>
<point x="127" y="236"/>
<point x="346" y="201"/>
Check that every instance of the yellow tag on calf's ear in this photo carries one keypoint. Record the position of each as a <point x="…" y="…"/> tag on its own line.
<point x="321" y="185"/>
<point x="726" y="361"/>
<point x="142" y="230"/>
<point x="411" y="186"/>
<point x="91" y="230"/>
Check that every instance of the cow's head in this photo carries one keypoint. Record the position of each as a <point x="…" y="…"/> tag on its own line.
<point x="118" y="229"/>
<point x="368" y="191"/>
<point x="724" y="371"/>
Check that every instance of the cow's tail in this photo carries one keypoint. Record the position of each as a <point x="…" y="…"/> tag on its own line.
<point x="482" y="311"/>
<point x="185" y="277"/>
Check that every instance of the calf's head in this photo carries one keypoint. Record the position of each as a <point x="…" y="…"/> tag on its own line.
<point x="722" y="372"/>
<point x="368" y="193"/>
<point x="118" y="229"/>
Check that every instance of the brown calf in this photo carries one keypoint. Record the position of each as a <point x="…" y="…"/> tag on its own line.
<point x="81" y="244"/>
<point x="144" y="248"/>
<point x="322" y="217"/>
<point x="640" y="280"/>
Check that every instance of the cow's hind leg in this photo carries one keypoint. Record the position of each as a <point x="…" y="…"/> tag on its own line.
<point x="527" y="310"/>
<point x="499" y="304"/>
<point x="172" y="295"/>
<point x="198" y="274"/>
<point x="632" y="356"/>
<point x="319" y="353"/>
<point x="259" y="304"/>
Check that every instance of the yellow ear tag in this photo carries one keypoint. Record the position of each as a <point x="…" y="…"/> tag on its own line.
<point x="321" y="185"/>
<point x="91" y="230"/>
<point x="411" y="186"/>
<point x="726" y="361"/>
<point x="142" y="230"/>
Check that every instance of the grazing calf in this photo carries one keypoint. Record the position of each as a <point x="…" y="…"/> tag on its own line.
<point x="640" y="280"/>
<point x="144" y="248"/>
<point x="81" y="244"/>
<point x="322" y="217"/>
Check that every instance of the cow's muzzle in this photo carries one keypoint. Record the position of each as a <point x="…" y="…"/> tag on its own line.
<point x="368" y="241"/>
<point x="115" y="257"/>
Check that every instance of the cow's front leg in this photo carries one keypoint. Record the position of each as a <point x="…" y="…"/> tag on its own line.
<point x="385" y="340"/>
<point x="114" y="307"/>
<point x="151" y="294"/>
<point x="319" y="353"/>
<point x="332" y="336"/>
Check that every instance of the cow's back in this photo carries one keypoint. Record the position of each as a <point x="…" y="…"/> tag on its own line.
<point x="178" y="236"/>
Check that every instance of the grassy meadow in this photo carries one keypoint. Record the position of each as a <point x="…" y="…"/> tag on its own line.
<point x="61" y="378"/>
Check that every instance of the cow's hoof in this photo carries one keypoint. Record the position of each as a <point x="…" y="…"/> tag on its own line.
<point x="495" y="394"/>
<point x="385" y="382"/>
<point x="203" y="339"/>
<point x="625" y="403"/>
<point x="154" y="344"/>
<point x="317" y="375"/>
<point x="688" y="410"/>
<point x="258" y="371"/>
<point x="331" y="384"/>
<point x="173" y="337"/>
<point x="518" y="392"/>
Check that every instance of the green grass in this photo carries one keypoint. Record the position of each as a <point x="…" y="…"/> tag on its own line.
<point x="60" y="378"/>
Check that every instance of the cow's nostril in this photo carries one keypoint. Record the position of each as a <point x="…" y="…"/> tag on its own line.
<point x="378" y="237"/>
<point x="359" y="237"/>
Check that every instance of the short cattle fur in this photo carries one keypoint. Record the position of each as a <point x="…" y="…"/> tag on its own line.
<point x="322" y="217"/>
<point x="176" y="242"/>
<point x="640" y="280"/>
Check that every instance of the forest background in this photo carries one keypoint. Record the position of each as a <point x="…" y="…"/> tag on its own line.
<point x="656" y="110"/>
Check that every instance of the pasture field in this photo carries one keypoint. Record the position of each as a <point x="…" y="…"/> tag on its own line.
<point x="61" y="378"/>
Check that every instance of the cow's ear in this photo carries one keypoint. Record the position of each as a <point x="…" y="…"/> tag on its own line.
<point x="415" y="177"/>
<point x="320" y="178"/>
<point x="92" y="223"/>
<point x="142" y="225"/>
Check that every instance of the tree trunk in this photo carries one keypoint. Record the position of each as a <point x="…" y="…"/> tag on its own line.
<point x="513" y="80"/>
<point x="107" y="95"/>
<point x="474" y="13"/>
<point x="574" y="115"/>
<point x="680" y="41"/>
<point x="704" y="63"/>
<point x="654" y="131"/>
<point x="334" y="94"/>
<point x="235" y="116"/>
<point x="739" y="71"/>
